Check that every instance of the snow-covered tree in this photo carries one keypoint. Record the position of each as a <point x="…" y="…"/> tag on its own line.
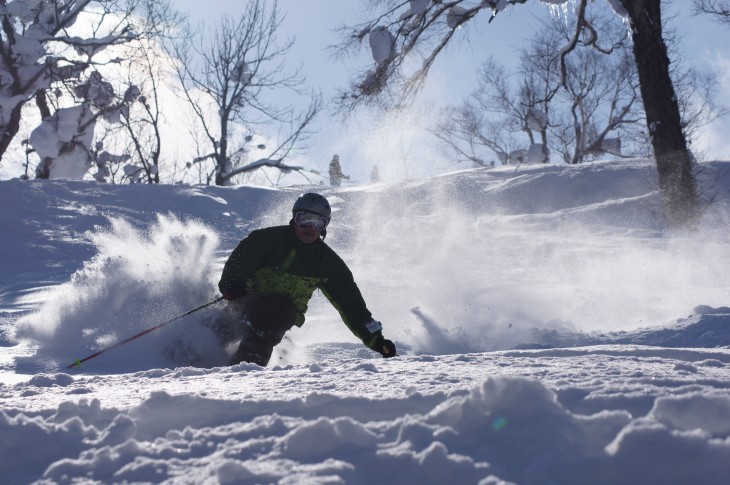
<point x="64" y="140"/>
<point x="228" y="74"/>
<point x="50" y="49"/>
<point x="425" y="31"/>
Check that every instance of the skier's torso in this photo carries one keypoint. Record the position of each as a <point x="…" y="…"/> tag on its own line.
<point x="273" y="260"/>
<point x="293" y="268"/>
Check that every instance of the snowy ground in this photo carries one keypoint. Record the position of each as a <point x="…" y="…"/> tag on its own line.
<point x="550" y="330"/>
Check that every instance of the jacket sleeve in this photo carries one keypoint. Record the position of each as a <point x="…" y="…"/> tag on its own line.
<point x="342" y="291"/>
<point x="248" y="256"/>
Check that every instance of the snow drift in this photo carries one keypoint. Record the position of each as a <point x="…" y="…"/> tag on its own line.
<point x="549" y="327"/>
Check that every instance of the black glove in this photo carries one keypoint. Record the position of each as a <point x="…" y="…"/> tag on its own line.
<point x="384" y="347"/>
<point x="233" y="290"/>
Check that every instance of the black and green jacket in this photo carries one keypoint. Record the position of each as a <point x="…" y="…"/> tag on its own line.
<point x="274" y="260"/>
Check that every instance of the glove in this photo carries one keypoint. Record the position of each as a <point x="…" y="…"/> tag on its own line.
<point x="234" y="290"/>
<point x="384" y="347"/>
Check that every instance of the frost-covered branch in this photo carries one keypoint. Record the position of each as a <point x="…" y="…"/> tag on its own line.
<point x="402" y="31"/>
<point x="41" y="49"/>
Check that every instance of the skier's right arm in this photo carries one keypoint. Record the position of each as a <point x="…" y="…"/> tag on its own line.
<point x="240" y="267"/>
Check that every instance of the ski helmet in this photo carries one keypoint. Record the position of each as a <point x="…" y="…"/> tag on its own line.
<point x="314" y="203"/>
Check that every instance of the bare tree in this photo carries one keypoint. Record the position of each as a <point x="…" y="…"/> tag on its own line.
<point x="719" y="9"/>
<point x="499" y="115"/>
<point x="603" y="101"/>
<point x="148" y="66"/>
<point x="427" y="27"/>
<point x="600" y="91"/>
<point x="583" y="116"/>
<point x="487" y="122"/>
<point x="142" y="122"/>
<point x="230" y="71"/>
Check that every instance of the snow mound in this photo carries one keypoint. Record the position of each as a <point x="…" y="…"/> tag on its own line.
<point x="505" y="428"/>
<point x="135" y="281"/>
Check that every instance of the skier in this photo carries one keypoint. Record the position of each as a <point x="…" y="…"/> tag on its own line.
<point x="375" y="175"/>
<point x="271" y="275"/>
<point x="336" y="174"/>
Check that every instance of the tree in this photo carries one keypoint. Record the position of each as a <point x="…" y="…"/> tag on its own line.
<point x="719" y="9"/>
<point x="142" y="125"/>
<point x="50" y="52"/>
<point x="587" y="115"/>
<point x="428" y="26"/>
<point x="230" y="71"/>
<point x="674" y="161"/>
<point x="63" y="140"/>
<point x="498" y="117"/>
<point x="148" y="66"/>
<point x="600" y="93"/>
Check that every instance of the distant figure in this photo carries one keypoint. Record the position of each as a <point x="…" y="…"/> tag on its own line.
<point x="374" y="175"/>
<point x="336" y="174"/>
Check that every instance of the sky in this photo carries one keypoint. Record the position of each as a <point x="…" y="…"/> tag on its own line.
<point x="402" y="151"/>
<point x="549" y="330"/>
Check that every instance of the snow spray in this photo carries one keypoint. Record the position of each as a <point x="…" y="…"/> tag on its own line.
<point x="137" y="276"/>
<point x="494" y="259"/>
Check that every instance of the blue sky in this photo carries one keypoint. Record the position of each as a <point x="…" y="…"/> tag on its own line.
<point x="395" y="145"/>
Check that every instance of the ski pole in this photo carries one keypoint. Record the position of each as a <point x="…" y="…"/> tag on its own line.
<point x="78" y="362"/>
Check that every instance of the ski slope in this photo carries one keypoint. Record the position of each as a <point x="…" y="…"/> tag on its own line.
<point x="550" y="330"/>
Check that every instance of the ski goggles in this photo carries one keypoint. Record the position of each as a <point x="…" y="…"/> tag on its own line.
<point x="316" y="221"/>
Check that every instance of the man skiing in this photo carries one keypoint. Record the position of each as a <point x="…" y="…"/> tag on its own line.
<point x="335" y="172"/>
<point x="271" y="275"/>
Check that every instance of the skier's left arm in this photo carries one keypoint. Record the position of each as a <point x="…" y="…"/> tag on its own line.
<point x="345" y="296"/>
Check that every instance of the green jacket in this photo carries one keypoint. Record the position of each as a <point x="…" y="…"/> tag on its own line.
<point x="274" y="260"/>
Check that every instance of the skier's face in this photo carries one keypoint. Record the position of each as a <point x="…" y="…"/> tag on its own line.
<point x="306" y="234"/>
<point x="308" y="226"/>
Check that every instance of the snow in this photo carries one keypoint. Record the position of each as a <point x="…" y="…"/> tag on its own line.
<point x="537" y="120"/>
<point x="415" y="8"/>
<point x="63" y="137"/>
<point x="381" y="44"/>
<point x="618" y="8"/>
<point x="456" y="16"/>
<point x="550" y="330"/>
<point x="536" y="154"/>
<point x="495" y="5"/>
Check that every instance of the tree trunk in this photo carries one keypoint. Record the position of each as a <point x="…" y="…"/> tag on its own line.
<point x="9" y="131"/>
<point x="222" y="158"/>
<point x="43" y="169"/>
<point x="677" y="185"/>
<point x="41" y="100"/>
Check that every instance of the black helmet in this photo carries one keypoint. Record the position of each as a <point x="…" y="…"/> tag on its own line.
<point x="314" y="203"/>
